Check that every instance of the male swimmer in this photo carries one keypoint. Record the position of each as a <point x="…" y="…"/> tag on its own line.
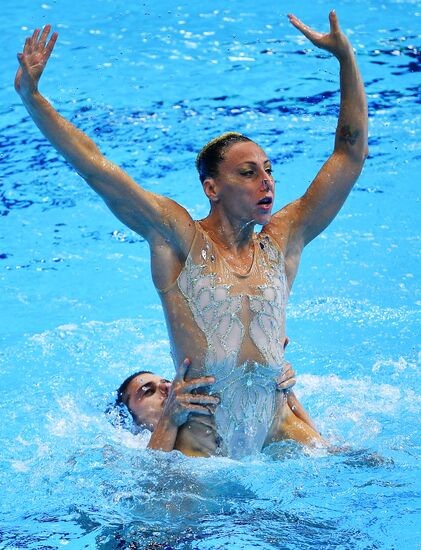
<point x="223" y="287"/>
<point x="162" y="407"/>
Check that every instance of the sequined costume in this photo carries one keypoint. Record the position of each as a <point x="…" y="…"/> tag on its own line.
<point x="232" y="325"/>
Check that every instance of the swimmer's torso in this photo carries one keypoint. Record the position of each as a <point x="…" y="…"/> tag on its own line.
<point x="231" y="326"/>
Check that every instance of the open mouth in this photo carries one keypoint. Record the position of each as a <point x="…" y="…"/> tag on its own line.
<point x="266" y="201"/>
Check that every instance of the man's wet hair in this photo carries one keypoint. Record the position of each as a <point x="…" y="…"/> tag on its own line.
<point x="118" y="412"/>
<point x="212" y="154"/>
<point x="122" y="397"/>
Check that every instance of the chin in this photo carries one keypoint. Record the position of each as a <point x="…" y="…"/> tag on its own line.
<point x="263" y="220"/>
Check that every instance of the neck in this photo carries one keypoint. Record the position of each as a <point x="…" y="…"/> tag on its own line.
<point x="235" y="235"/>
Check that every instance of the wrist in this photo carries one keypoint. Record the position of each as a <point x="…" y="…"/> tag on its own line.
<point x="346" y="54"/>
<point x="29" y="97"/>
<point x="167" y="421"/>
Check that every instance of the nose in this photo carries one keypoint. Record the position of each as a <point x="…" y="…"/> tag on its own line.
<point x="164" y="387"/>
<point x="265" y="184"/>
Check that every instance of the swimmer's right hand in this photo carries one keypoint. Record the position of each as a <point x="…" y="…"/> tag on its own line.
<point x="33" y="60"/>
<point x="181" y="402"/>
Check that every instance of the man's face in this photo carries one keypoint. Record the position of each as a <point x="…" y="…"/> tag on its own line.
<point x="244" y="184"/>
<point x="147" y="394"/>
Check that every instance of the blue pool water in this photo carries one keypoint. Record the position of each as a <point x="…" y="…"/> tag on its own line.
<point x="151" y="83"/>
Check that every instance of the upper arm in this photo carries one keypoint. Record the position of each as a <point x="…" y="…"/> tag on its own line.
<point x="305" y="218"/>
<point x="327" y="193"/>
<point x="149" y="214"/>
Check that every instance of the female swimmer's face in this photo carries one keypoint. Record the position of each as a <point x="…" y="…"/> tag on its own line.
<point x="244" y="185"/>
<point x="147" y="394"/>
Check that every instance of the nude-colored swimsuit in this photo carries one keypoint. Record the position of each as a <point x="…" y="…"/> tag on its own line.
<point x="234" y="326"/>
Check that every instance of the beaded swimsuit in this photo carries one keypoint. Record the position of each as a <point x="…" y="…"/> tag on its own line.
<point x="242" y="320"/>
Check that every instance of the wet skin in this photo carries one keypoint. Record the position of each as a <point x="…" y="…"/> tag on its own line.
<point x="244" y="185"/>
<point x="147" y="394"/>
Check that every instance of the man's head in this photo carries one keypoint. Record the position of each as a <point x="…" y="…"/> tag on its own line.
<point x="144" y="394"/>
<point x="236" y="175"/>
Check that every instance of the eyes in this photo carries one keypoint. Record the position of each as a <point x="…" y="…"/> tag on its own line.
<point x="251" y="172"/>
<point x="150" y="388"/>
<point x="147" y="391"/>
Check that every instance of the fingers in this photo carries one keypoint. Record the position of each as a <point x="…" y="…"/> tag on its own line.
<point x="199" y="409"/>
<point x="287" y="385"/>
<point x="43" y="38"/>
<point x="286" y="382"/>
<point x="27" y="46"/>
<point x="22" y="61"/>
<point x="181" y="371"/>
<point x="307" y="31"/>
<point x="35" y="36"/>
<point x="195" y="383"/>
<point x="287" y="378"/>
<point x="286" y="373"/>
<point x="310" y="33"/>
<point x="37" y="41"/>
<point x="334" y="23"/>
<point x="198" y="399"/>
<point x="51" y="44"/>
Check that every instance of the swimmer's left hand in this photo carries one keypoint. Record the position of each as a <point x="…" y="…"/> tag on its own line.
<point x="334" y="42"/>
<point x="286" y="379"/>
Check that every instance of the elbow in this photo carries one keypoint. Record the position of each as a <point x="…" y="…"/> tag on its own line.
<point x="359" y="158"/>
<point x="365" y="153"/>
<point x="359" y="155"/>
<point x="93" y="169"/>
<point x="363" y="156"/>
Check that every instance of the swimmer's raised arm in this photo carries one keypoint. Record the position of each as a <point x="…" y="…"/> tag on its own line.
<point x="302" y="220"/>
<point x="151" y="215"/>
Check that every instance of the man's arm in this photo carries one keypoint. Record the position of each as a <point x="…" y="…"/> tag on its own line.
<point x="285" y="383"/>
<point x="299" y="411"/>
<point x="302" y="220"/>
<point x="149" y="214"/>
<point x="178" y="406"/>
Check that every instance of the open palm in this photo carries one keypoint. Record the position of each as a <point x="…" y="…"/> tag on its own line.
<point x="33" y="60"/>
<point x="334" y="42"/>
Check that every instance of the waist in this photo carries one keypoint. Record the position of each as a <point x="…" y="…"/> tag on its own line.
<point x="247" y="405"/>
<point x="245" y="375"/>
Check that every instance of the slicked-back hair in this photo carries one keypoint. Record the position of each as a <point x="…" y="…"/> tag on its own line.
<point x="122" y="390"/>
<point x="212" y="154"/>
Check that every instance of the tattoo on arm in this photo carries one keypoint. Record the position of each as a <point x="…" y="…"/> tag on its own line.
<point x="346" y="135"/>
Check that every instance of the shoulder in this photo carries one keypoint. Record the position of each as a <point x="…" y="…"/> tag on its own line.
<point x="169" y="255"/>
<point x="285" y="228"/>
<point x="286" y="236"/>
<point x="277" y="231"/>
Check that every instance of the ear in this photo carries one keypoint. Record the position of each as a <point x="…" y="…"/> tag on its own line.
<point x="211" y="189"/>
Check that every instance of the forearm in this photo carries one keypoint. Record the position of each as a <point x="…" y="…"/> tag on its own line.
<point x="139" y="209"/>
<point x="299" y="410"/>
<point x="75" y="146"/>
<point x="352" y="129"/>
<point x="164" y="436"/>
